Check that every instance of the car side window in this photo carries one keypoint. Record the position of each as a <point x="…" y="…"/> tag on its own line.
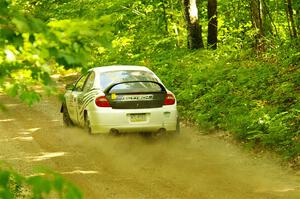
<point x="89" y="82"/>
<point x="79" y="84"/>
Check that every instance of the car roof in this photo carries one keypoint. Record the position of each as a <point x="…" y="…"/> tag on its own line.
<point x="119" y="67"/>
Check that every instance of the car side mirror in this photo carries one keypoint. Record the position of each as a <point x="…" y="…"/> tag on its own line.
<point x="70" y="86"/>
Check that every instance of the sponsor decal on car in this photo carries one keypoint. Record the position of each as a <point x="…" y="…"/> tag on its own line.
<point x="136" y="98"/>
<point x="114" y="96"/>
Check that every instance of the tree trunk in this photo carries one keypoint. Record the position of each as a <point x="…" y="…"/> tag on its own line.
<point x="257" y="22"/>
<point x="194" y="30"/>
<point x="298" y="18"/>
<point x="291" y="19"/>
<point x="212" y="36"/>
<point x="165" y="16"/>
<point x="267" y="18"/>
<point x="271" y="21"/>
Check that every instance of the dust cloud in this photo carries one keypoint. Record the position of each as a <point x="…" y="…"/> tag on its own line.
<point x="190" y="165"/>
<point x="193" y="164"/>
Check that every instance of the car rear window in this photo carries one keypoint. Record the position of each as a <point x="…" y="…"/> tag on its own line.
<point x="111" y="77"/>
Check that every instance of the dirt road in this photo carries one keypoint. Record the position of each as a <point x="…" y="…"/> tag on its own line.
<point x="189" y="166"/>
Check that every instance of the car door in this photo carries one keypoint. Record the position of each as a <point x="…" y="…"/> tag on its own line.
<point x="73" y="98"/>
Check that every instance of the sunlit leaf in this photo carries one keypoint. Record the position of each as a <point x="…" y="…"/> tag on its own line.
<point x="73" y="193"/>
<point x="4" y="179"/>
<point x="13" y="90"/>
<point x="30" y="97"/>
<point x="21" y="24"/>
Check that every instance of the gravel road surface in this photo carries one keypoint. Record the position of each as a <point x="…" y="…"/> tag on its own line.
<point x="191" y="165"/>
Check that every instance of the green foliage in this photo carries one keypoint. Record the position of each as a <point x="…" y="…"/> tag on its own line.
<point x="14" y="185"/>
<point x="256" y="97"/>
<point x="31" y="49"/>
<point x="253" y="93"/>
<point x="257" y="101"/>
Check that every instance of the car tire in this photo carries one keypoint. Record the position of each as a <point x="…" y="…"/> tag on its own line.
<point x="87" y="123"/>
<point x="66" y="117"/>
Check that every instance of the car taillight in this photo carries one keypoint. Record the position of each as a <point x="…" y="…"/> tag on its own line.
<point x="170" y="99"/>
<point x="102" y="101"/>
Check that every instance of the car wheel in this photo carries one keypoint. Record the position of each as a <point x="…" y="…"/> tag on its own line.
<point x="87" y="123"/>
<point x="66" y="117"/>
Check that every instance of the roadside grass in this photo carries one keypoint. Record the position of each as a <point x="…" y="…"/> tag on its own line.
<point x="254" y="96"/>
<point x="258" y="101"/>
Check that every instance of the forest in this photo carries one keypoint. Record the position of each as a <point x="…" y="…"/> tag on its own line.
<point x="234" y="66"/>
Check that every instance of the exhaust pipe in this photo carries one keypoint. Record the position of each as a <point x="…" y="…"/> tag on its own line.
<point x="161" y="131"/>
<point x="114" y="132"/>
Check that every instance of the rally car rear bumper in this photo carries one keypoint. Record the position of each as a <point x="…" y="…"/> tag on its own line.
<point x="106" y="120"/>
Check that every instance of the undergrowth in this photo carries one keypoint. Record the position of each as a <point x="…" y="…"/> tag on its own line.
<point x="254" y="96"/>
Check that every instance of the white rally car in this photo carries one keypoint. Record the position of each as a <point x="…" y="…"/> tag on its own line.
<point x="120" y="99"/>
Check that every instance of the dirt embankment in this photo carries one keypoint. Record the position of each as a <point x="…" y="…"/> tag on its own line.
<point x="188" y="166"/>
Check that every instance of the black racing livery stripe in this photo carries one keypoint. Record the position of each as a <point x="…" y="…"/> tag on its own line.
<point x="87" y="98"/>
